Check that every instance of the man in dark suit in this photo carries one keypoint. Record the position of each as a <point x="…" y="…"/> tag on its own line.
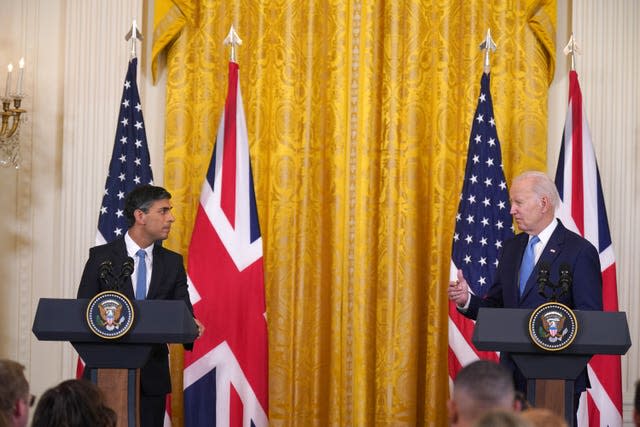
<point x="534" y="199"/>
<point x="158" y="274"/>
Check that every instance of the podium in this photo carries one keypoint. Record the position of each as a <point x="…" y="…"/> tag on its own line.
<point x="117" y="361"/>
<point x="506" y="330"/>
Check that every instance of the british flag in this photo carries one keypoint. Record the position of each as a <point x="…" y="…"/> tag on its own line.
<point x="483" y="223"/>
<point x="583" y="211"/>
<point x="225" y="377"/>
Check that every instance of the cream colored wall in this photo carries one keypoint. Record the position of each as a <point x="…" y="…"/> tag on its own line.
<point x="76" y="60"/>
<point x="609" y="37"/>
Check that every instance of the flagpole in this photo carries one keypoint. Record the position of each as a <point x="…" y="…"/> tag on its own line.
<point x="572" y="49"/>
<point x="233" y="40"/>
<point x="487" y="45"/>
<point x="133" y="35"/>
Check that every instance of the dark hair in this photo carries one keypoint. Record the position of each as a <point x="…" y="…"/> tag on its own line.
<point x="13" y="386"/>
<point x="73" y="403"/>
<point x="636" y="399"/>
<point x="486" y="385"/>
<point x="142" y="197"/>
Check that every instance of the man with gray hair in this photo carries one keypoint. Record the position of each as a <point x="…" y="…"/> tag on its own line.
<point x="480" y="387"/>
<point x="543" y="243"/>
<point x="15" y="399"/>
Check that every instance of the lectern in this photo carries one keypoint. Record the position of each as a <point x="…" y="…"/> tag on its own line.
<point x="117" y="360"/>
<point x="506" y="330"/>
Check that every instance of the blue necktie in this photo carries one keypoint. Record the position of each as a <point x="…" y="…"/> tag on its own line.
<point x="141" y="283"/>
<point x="528" y="261"/>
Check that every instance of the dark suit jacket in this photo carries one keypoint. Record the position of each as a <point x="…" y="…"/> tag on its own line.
<point x="168" y="281"/>
<point x="563" y="248"/>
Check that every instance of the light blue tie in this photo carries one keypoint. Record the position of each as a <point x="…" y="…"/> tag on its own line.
<point x="528" y="261"/>
<point x="141" y="283"/>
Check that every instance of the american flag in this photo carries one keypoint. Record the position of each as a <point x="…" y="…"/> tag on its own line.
<point x="483" y="223"/>
<point x="583" y="211"/>
<point x="130" y="163"/>
<point x="130" y="166"/>
<point x="225" y="376"/>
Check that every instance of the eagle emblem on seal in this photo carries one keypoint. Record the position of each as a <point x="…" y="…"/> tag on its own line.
<point x="553" y="326"/>
<point x="110" y="314"/>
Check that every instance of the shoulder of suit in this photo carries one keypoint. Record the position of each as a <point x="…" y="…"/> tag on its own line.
<point x="158" y="249"/>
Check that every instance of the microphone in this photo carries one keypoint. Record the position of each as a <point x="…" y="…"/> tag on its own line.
<point x="566" y="279"/>
<point x="543" y="279"/>
<point x="105" y="270"/>
<point x="125" y="272"/>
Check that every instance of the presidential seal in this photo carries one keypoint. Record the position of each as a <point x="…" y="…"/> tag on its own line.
<point x="553" y="326"/>
<point x="110" y="315"/>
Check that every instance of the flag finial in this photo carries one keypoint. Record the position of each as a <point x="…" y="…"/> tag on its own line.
<point x="133" y="35"/>
<point x="487" y="45"/>
<point x="232" y="39"/>
<point x="572" y="49"/>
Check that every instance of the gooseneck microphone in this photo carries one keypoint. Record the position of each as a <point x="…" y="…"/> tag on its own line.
<point x="105" y="272"/>
<point x="543" y="279"/>
<point x="566" y="279"/>
<point x="125" y="272"/>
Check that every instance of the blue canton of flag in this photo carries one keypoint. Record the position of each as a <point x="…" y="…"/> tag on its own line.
<point x="483" y="221"/>
<point x="130" y="162"/>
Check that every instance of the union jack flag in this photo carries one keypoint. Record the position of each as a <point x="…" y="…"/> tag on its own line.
<point x="225" y="377"/>
<point x="584" y="212"/>
<point x="483" y="223"/>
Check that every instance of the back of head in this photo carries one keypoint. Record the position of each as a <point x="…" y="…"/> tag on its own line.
<point x="142" y="197"/>
<point x="501" y="418"/>
<point x="13" y="386"/>
<point x="73" y="403"/>
<point x="543" y="417"/>
<point x="480" y="387"/>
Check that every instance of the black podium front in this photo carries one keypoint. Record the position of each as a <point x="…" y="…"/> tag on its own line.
<point x="116" y="360"/>
<point x="506" y="330"/>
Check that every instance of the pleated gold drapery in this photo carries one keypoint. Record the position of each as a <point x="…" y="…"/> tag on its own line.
<point x="359" y="116"/>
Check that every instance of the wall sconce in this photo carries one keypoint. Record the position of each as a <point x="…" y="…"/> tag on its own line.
<point x="11" y="120"/>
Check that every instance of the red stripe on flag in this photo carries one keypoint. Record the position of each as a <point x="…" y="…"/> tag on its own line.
<point x="466" y="327"/>
<point x="609" y="289"/>
<point x="236" y="407"/>
<point x="454" y="364"/>
<point x="228" y="193"/>
<point x="593" y="411"/>
<point x="577" y="175"/>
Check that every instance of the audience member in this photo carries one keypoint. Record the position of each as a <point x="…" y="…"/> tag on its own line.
<point x="636" y="406"/>
<point x="73" y="403"/>
<point x="543" y="417"/>
<point x="502" y="418"/>
<point x="481" y="386"/>
<point x="15" y="399"/>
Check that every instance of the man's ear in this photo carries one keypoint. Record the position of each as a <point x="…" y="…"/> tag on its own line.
<point x="20" y="409"/>
<point x="636" y="417"/>
<point x="544" y="203"/>
<point x="453" y="412"/>
<point x="138" y="215"/>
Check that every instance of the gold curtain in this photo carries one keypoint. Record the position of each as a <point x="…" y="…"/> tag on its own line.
<point x="359" y="116"/>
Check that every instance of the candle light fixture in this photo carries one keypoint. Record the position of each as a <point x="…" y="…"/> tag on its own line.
<point x="12" y="117"/>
